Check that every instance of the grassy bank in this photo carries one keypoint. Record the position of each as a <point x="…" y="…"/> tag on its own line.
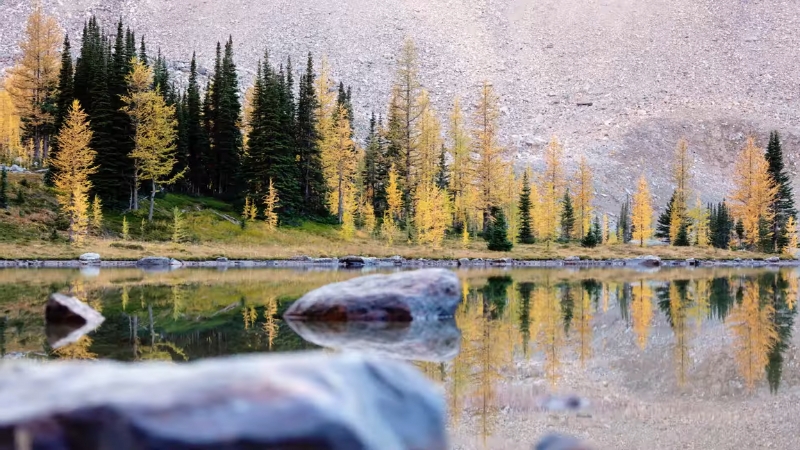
<point x="30" y="229"/>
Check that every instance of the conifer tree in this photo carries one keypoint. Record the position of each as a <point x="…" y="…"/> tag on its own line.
<point x="624" y="223"/>
<point x="525" y="228"/>
<point x="271" y="202"/>
<point x="682" y="238"/>
<point x="606" y="234"/>
<point x="3" y="189"/>
<point x="178" y="226"/>
<point x="567" y="217"/>
<point x="65" y="95"/>
<point x="593" y="236"/>
<point x="583" y="196"/>
<point x="724" y="227"/>
<point x="442" y="173"/>
<point x="754" y="193"/>
<point x="783" y="207"/>
<point x="462" y="169"/>
<point x="374" y="171"/>
<point x="699" y="229"/>
<point x="196" y="138"/>
<point x="121" y="139"/>
<point x="394" y="197"/>
<point x="339" y="162"/>
<point x="429" y="142"/>
<point x="642" y="213"/>
<point x="33" y="81"/>
<point x="491" y="163"/>
<point x="431" y="211"/>
<point x="552" y="188"/>
<point x="664" y="224"/>
<point x="74" y="164"/>
<point x="312" y="180"/>
<point x="97" y="214"/>
<point x="126" y="232"/>
<point x="497" y="234"/>
<point x="223" y="118"/>
<point x="682" y="175"/>
<point x="791" y="237"/>
<point x="155" y="132"/>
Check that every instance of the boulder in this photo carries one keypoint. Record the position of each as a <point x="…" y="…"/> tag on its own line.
<point x="773" y="259"/>
<point x="463" y="262"/>
<point x="89" y="258"/>
<point x="400" y="297"/>
<point x="419" y="340"/>
<point x="572" y="259"/>
<point x="353" y="262"/>
<point x="67" y="319"/>
<point x="305" y="400"/>
<point x="647" y="261"/>
<point x="153" y="261"/>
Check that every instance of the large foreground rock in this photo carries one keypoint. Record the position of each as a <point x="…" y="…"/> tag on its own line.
<point x="419" y="340"/>
<point x="400" y="297"/>
<point x="299" y="401"/>
<point x="67" y="319"/>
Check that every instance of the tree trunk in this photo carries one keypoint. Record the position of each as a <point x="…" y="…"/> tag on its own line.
<point x="341" y="200"/>
<point x="45" y="149"/>
<point x="36" y="145"/>
<point x="135" y="190"/>
<point x="152" y="200"/>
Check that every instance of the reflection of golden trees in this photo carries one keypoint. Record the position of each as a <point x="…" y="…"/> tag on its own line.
<point x="460" y="368"/>
<point x="792" y="291"/>
<point x="492" y="351"/>
<point x="701" y="302"/>
<point x="270" y="325"/>
<point x="76" y="350"/>
<point x="176" y="293"/>
<point x="583" y="321"/>
<point x="754" y="333"/>
<point x="642" y="312"/>
<point x="678" y="312"/>
<point x="550" y="334"/>
<point x="249" y="316"/>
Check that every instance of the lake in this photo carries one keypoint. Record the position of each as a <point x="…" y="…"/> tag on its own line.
<point x="670" y="358"/>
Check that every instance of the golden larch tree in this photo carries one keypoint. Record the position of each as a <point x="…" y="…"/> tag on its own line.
<point x="642" y="312"/>
<point x="751" y="323"/>
<point x="429" y="141"/>
<point x="491" y="162"/>
<point x="584" y="195"/>
<point x="791" y="234"/>
<point x="155" y="132"/>
<point x="552" y="186"/>
<point x="754" y="191"/>
<point x="682" y="177"/>
<point x="699" y="229"/>
<point x="462" y="169"/>
<point x="339" y="162"/>
<point x="75" y="163"/>
<point x="10" y="122"/>
<point x="678" y="309"/>
<point x="606" y="233"/>
<point x="550" y="335"/>
<point x="271" y="202"/>
<point x="642" y="212"/>
<point x="97" y="214"/>
<point x="407" y="111"/>
<point x="431" y="214"/>
<point x="33" y="81"/>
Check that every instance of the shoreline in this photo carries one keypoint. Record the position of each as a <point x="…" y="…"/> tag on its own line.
<point x="359" y="262"/>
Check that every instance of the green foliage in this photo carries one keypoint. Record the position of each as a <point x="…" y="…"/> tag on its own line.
<point x="594" y="236"/>
<point x="442" y="175"/>
<point x="497" y="233"/>
<point x="126" y="246"/>
<point x="4" y="189"/>
<point x="222" y="119"/>
<point x="179" y="226"/>
<point x="665" y="220"/>
<point x="525" y="226"/>
<point x="312" y="183"/>
<point x="765" y="243"/>
<point x="784" y="206"/>
<point x="567" y="217"/>
<point x="721" y="226"/>
<point x="682" y="239"/>
<point x="375" y="172"/>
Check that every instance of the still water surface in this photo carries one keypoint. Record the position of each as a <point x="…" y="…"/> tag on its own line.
<point x="518" y="335"/>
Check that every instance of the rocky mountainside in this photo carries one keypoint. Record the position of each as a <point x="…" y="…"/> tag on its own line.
<point x="712" y="71"/>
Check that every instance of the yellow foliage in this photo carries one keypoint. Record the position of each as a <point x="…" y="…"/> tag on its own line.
<point x="791" y="232"/>
<point x="348" y="230"/>
<point x="431" y="214"/>
<point x="642" y="212"/>
<point x="271" y="202"/>
<point x="584" y="194"/>
<point x="462" y="169"/>
<point x="429" y="141"/>
<point x="606" y="234"/>
<point x="678" y="314"/>
<point x="754" y="333"/>
<point x="74" y="163"/>
<point x="367" y="216"/>
<point x="699" y="230"/>
<point x="97" y="214"/>
<point x="754" y="190"/>
<point x="394" y="197"/>
<point x="550" y="335"/>
<point x="491" y="165"/>
<point x="388" y="229"/>
<point x="642" y="312"/>
<point x="583" y="319"/>
<point x="10" y="145"/>
<point x="339" y="162"/>
<point x="553" y="186"/>
<point x="271" y="327"/>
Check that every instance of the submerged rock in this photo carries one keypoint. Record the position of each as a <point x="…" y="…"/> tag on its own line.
<point x="419" y="340"/>
<point x="67" y="319"/>
<point x="307" y="400"/>
<point x="400" y="297"/>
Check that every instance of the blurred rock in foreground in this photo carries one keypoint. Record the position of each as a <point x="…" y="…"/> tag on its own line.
<point x="419" y="340"/>
<point x="401" y="297"/>
<point x="293" y="401"/>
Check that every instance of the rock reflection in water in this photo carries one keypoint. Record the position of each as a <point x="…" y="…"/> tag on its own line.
<point x="419" y="340"/>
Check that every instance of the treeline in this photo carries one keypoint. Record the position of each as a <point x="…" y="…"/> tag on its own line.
<point x="286" y="151"/>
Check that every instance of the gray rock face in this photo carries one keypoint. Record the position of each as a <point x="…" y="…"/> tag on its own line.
<point x="419" y="340"/>
<point x="89" y="258"/>
<point x="400" y="297"/>
<point x="307" y="400"/>
<point x="67" y="319"/>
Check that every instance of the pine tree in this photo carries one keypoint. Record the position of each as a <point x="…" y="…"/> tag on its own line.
<point x="196" y="137"/>
<point x="740" y="231"/>
<point x="567" y="217"/>
<point x="664" y="224"/>
<point x="223" y="118"/>
<point x="642" y="213"/>
<point x="121" y="138"/>
<point x="606" y="235"/>
<point x="497" y="232"/>
<point x="126" y="231"/>
<point x="783" y="207"/>
<point x="755" y="192"/>
<point x="97" y="214"/>
<point x="3" y="189"/>
<point x="374" y="171"/>
<point x="64" y="97"/>
<point x="624" y="223"/>
<point x="394" y="197"/>
<point x="682" y="176"/>
<point x="312" y="180"/>
<point x="525" y="229"/>
<point x="682" y="238"/>
<point x="764" y="236"/>
<point x="178" y="226"/>
<point x="74" y="164"/>
<point x="33" y="81"/>
<point x="442" y="173"/>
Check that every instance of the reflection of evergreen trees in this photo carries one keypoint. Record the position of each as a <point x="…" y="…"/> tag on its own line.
<point x="567" y="305"/>
<point x="525" y="290"/>
<point x="495" y="296"/>
<point x="783" y="320"/>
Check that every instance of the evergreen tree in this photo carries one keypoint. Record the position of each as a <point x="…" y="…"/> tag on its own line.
<point x="196" y="138"/>
<point x="665" y="220"/>
<point x="765" y="243"/>
<point x="740" y="231"/>
<point x="223" y="120"/>
<point x="597" y="230"/>
<point x="682" y="239"/>
<point x="3" y="189"/>
<point x="64" y="97"/>
<point x="624" y="224"/>
<point x="567" y="217"/>
<point x="525" y="225"/>
<point x="312" y="181"/>
<point x="442" y="175"/>
<point x="590" y="239"/>
<point x="375" y="172"/>
<point x="121" y="139"/>
<point x="783" y="207"/>
<point x="497" y="234"/>
<point x="723" y="226"/>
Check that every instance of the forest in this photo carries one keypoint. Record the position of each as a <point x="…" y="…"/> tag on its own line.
<point x="117" y="137"/>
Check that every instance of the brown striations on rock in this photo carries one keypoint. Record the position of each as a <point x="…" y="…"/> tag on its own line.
<point x="400" y="297"/>
<point x="292" y="401"/>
